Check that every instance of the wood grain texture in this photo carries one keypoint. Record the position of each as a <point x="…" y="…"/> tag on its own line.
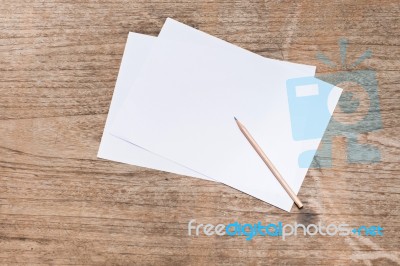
<point x="59" y="204"/>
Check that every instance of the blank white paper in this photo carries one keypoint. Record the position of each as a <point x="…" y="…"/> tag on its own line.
<point x="182" y="107"/>
<point x="137" y="48"/>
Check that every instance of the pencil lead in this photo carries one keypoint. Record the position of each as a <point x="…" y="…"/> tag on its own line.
<point x="235" y="118"/>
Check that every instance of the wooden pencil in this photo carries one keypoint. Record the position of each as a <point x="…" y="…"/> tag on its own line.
<point x="271" y="167"/>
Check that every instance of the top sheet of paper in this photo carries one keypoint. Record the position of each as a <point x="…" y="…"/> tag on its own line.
<point x="137" y="48"/>
<point x="183" y="105"/>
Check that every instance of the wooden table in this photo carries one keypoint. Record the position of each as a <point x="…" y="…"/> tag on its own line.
<point x="59" y="204"/>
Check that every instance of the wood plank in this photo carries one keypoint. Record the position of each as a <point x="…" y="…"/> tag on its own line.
<point x="59" y="204"/>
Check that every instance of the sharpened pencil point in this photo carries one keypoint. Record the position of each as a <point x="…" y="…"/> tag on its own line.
<point x="235" y="118"/>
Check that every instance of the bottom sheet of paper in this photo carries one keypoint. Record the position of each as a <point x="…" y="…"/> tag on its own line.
<point x="112" y="148"/>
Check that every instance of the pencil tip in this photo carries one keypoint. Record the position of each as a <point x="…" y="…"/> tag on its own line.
<point x="235" y="118"/>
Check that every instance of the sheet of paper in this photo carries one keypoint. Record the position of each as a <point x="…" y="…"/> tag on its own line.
<point x="137" y="48"/>
<point x="183" y="104"/>
<point x="112" y="148"/>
